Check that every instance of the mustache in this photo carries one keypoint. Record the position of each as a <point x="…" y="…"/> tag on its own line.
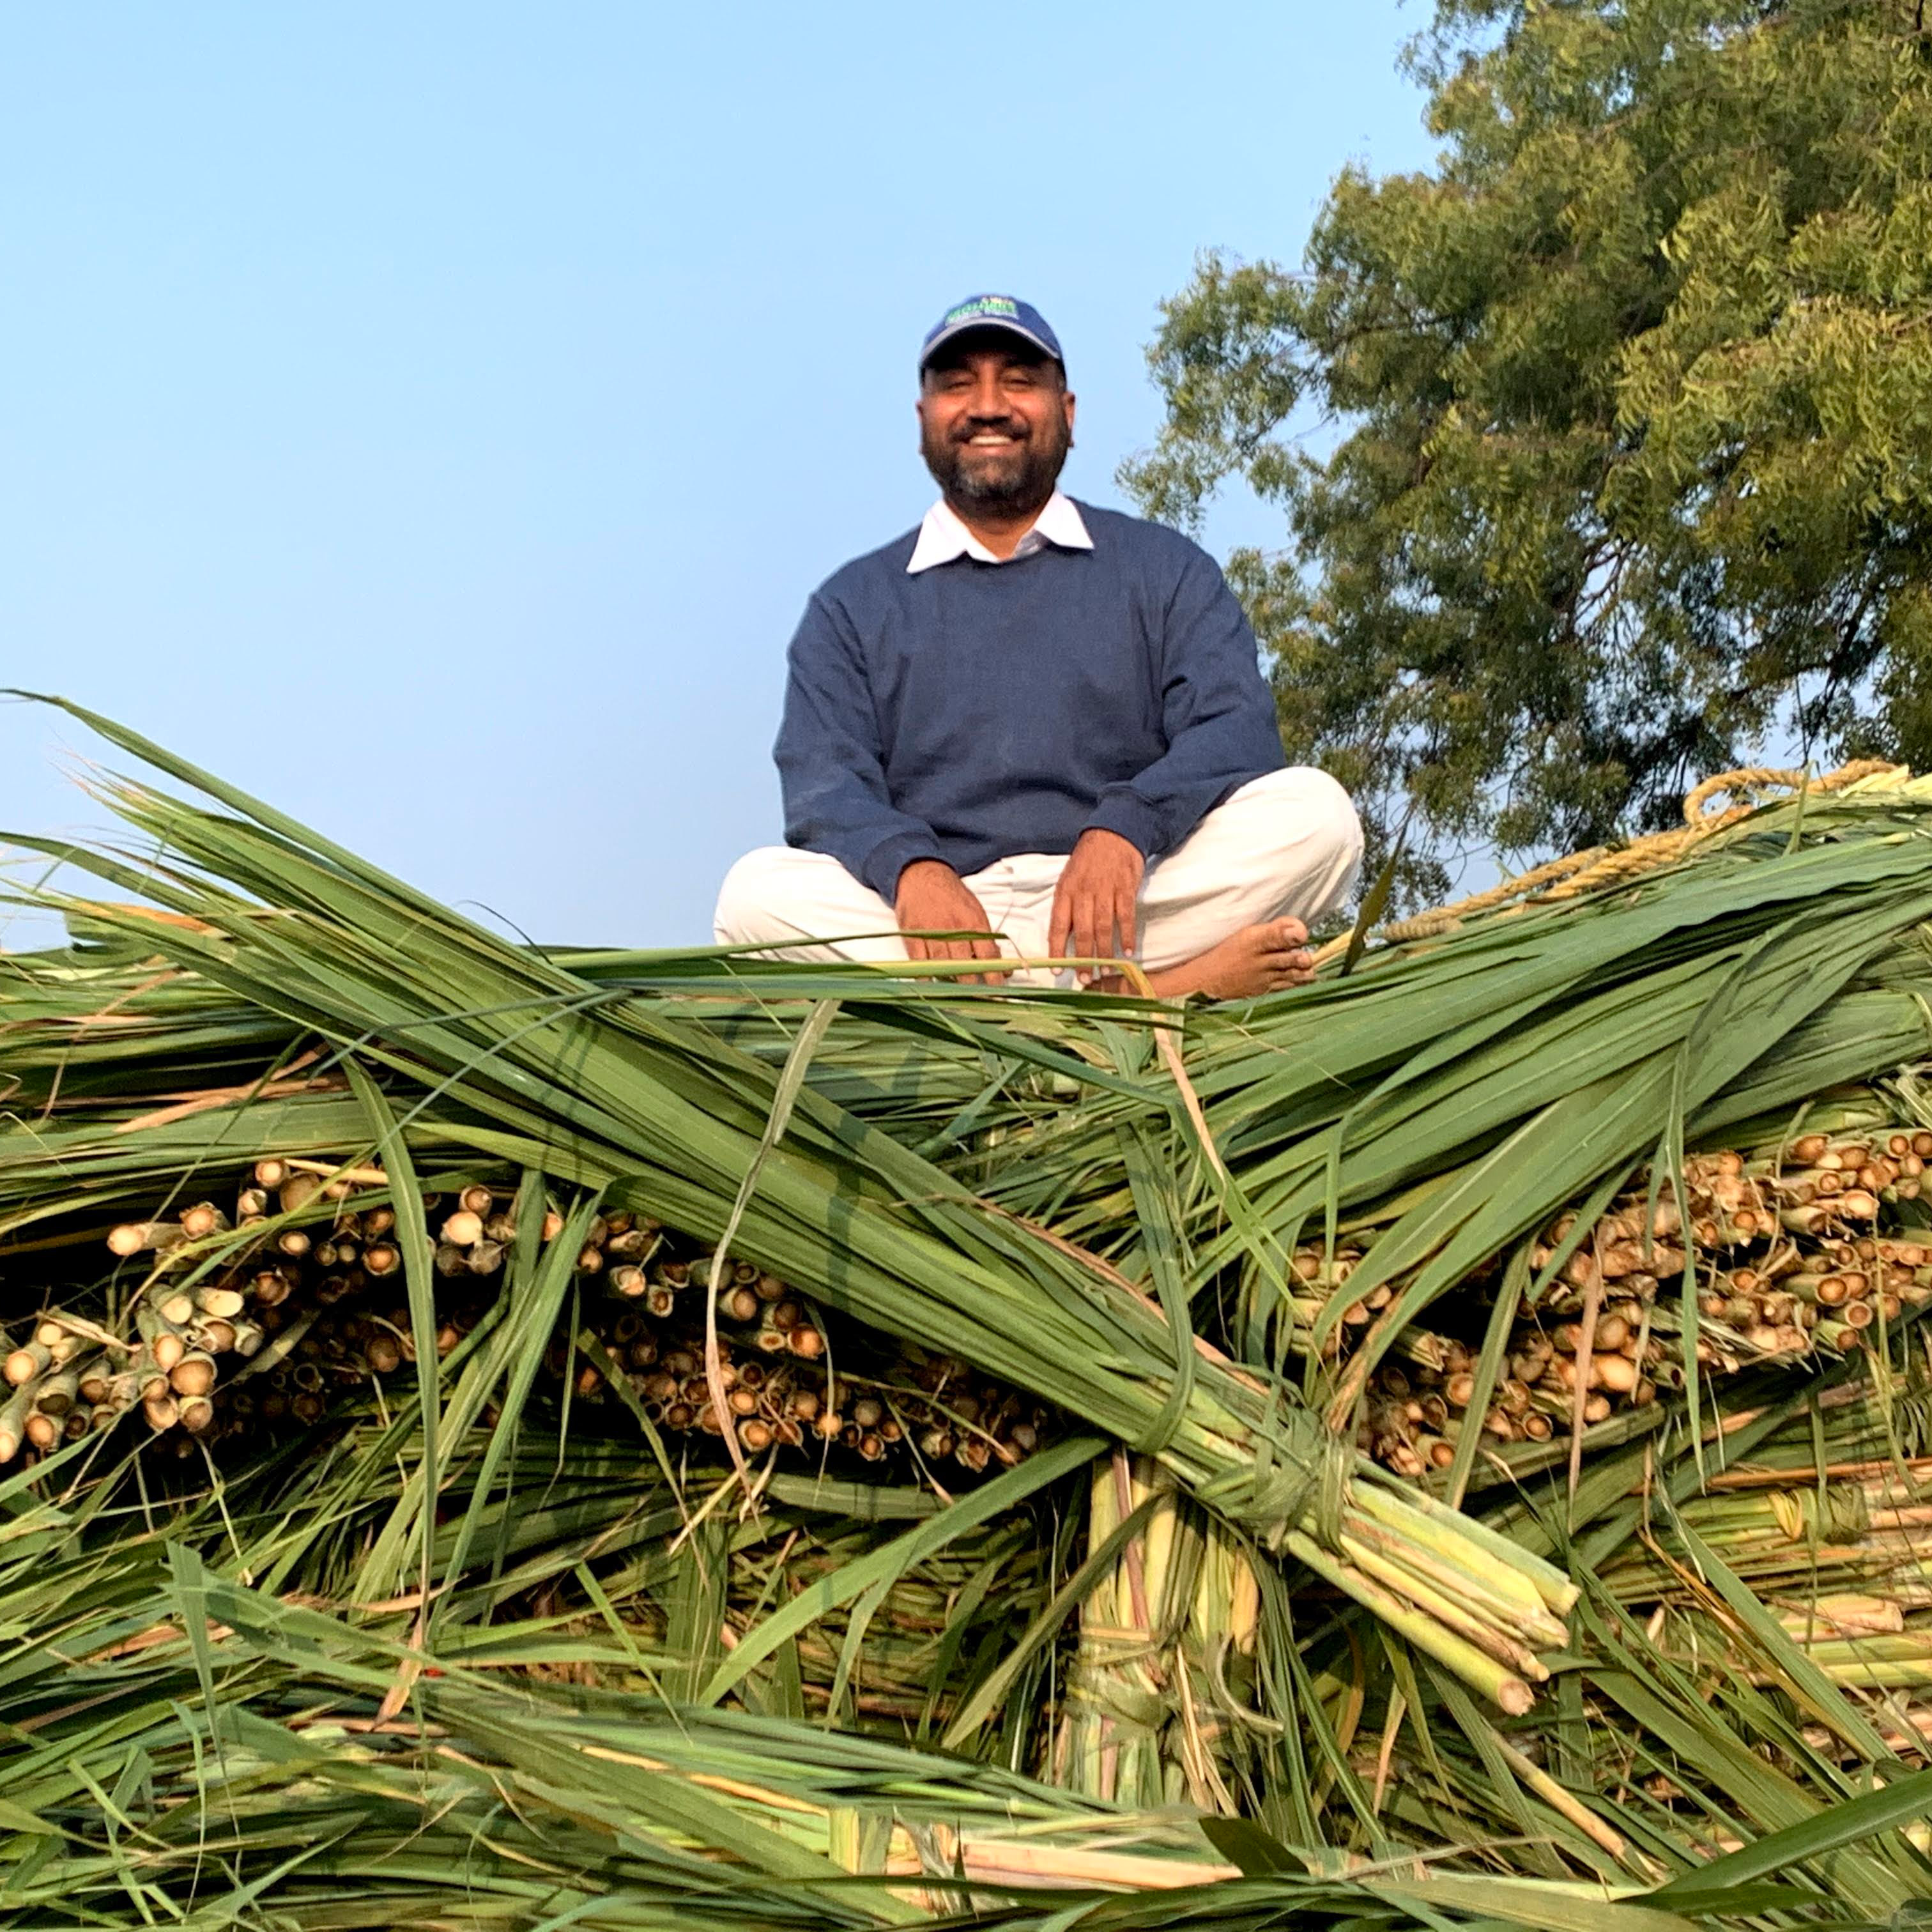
<point x="1013" y="426"/>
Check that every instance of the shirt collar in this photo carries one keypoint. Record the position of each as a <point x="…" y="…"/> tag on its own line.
<point x="943" y="537"/>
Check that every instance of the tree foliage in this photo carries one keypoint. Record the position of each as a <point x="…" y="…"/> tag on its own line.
<point x="1627" y="469"/>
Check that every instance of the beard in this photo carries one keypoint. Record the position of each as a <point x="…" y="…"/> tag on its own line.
<point x="1007" y="481"/>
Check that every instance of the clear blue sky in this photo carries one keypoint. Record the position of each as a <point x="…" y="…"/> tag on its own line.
<point x="433" y="417"/>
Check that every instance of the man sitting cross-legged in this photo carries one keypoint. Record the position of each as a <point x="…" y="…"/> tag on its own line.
<point x="1037" y="724"/>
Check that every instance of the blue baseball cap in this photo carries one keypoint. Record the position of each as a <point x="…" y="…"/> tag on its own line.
<point x="1002" y="312"/>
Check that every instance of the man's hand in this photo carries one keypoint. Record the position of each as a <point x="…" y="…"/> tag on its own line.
<point x="1095" y="916"/>
<point x="933" y="897"/>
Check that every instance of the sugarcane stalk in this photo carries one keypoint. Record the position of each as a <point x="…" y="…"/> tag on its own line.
<point x="193" y="1375"/>
<point x="1437" y="1604"/>
<point x="133" y="1237"/>
<point x="56" y="1391"/>
<point x="13" y="1421"/>
<point x="1504" y="1687"/>
<point x="24" y="1364"/>
<point x="53" y="1397"/>
<point x="1482" y="1597"/>
<point x="165" y="1343"/>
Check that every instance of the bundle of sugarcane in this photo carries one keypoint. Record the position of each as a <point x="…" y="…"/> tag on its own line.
<point x="1157" y="1707"/>
<point x="176" y="1347"/>
<point x="1827" y="1521"/>
<point x="322" y="1293"/>
<point x="677" y="1591"/>
<point x="1781" y="1247"/>
<point x="1452" y="1096"/>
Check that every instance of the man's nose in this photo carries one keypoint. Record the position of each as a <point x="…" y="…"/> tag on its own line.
<point x="988" y="404"/>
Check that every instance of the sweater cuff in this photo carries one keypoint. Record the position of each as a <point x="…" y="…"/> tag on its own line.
<point x="1130" y="815"/>
<point x="891" y="856"/>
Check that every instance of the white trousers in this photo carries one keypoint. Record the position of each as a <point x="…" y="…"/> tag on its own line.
<point x="1286" y="843"/>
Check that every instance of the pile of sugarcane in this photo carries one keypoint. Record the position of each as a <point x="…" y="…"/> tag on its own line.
<point x="308" y="1316"/>
<point x="1781" y="1247"/>
<point x="823" y="1446"/>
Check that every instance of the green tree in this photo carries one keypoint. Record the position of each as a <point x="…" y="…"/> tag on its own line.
<point x="1606" y="447"/>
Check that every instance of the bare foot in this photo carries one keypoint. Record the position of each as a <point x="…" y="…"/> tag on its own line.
<point x="1258" y="959"/>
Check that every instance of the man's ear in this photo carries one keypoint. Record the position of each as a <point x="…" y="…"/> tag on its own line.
<point x="1069" y="399"/>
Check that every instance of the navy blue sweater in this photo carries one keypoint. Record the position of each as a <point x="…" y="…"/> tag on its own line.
<point x="979" y="710"/>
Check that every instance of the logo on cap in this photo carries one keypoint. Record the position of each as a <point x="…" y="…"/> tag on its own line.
<point x="1002" y="306"/>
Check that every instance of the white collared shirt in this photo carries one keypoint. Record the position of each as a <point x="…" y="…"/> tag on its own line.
<point x="943" y="537"/>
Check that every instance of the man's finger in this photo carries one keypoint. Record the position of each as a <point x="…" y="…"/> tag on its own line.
<point x="957" y="949"/>
<point x="915" y="947"/>
<point x="1125" y="913"/>
<point x="1106" y="944"/>
<point x="976" y="948"/>
<point x="1086" y="928"/>
<point x="1059" y="928"/>
<point x="988" y="948"/>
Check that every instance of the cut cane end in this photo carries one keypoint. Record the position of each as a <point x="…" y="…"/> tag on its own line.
<point x="1514" y="1697"/>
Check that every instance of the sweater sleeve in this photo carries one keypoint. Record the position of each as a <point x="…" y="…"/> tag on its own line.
<point x="831" y="763"/>
<point x="1216" y="710"/>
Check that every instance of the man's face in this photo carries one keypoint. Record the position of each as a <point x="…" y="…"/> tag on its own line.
<point x="996" y="421"/>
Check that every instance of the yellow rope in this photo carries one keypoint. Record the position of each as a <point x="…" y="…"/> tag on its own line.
<point x="1760" y="778"/>
<point x="1581" y="872"/>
